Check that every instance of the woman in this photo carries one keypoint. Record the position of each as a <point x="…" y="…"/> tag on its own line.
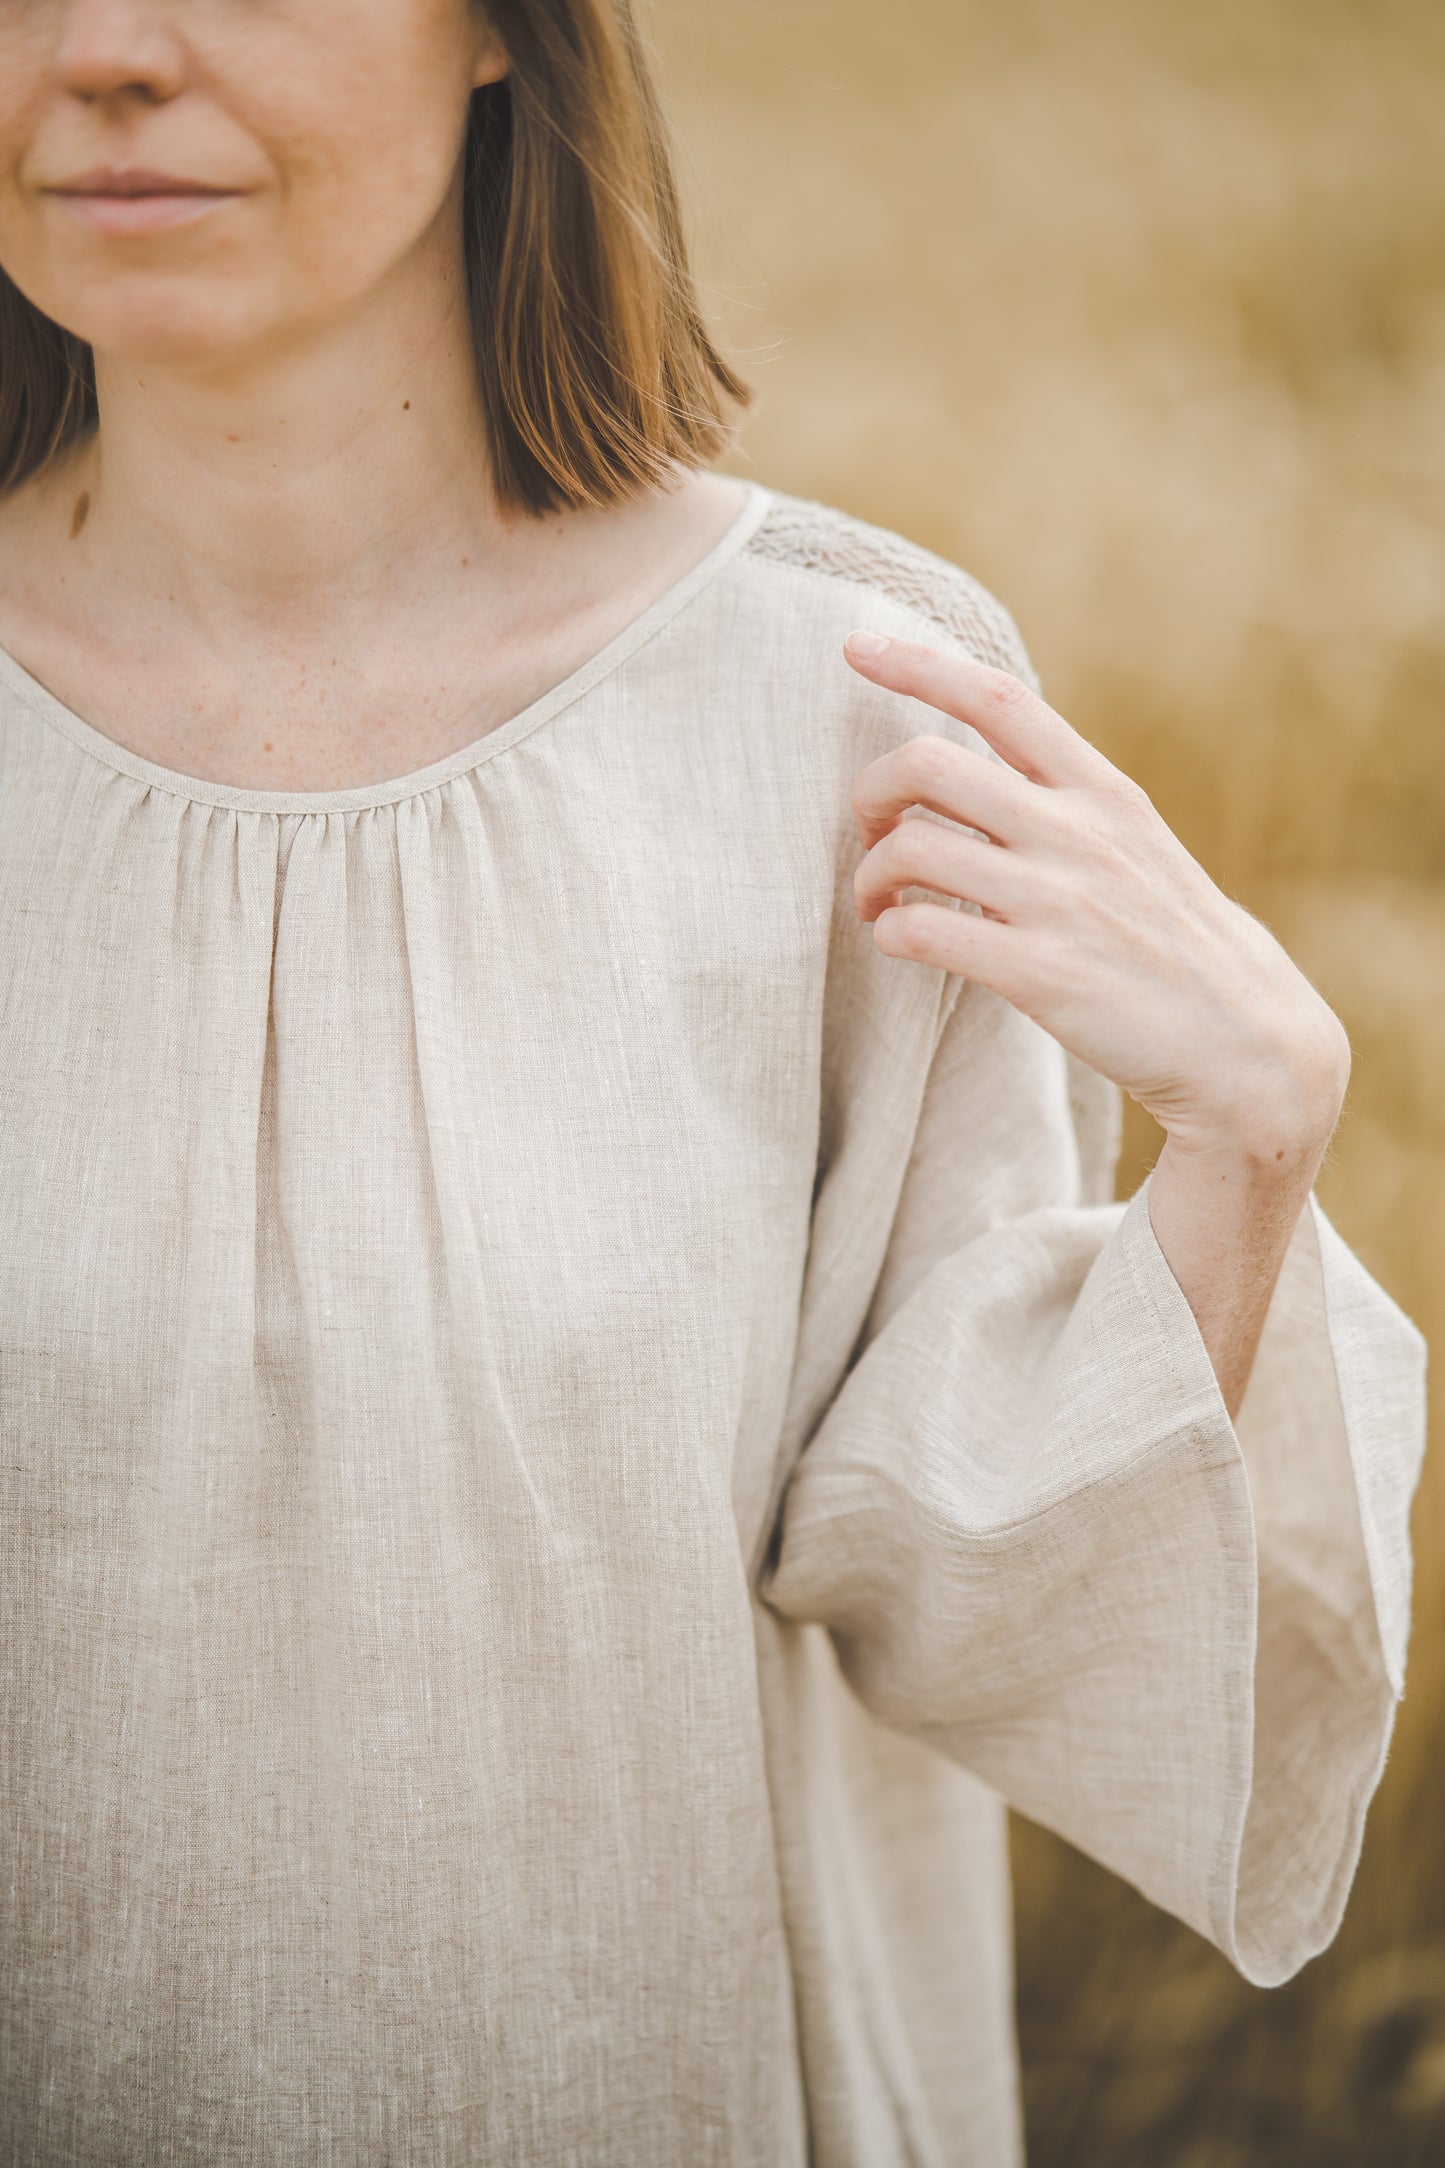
<point x="578" y="1415"/>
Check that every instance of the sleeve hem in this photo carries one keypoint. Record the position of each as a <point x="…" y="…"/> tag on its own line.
<point x="1342" y="1292"/>
<point x="1042" y="1545"/>
<point x="1356" y="1310"/>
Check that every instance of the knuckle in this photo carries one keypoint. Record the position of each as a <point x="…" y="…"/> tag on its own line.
<point x="927" y="760"/>
<point x="1001" y="689"/>
<point x="1099" y="821"/>
<point x="1121" y="790"/>
<point x="908" y="933"/>
<point x="905" y="848"/>
<point x="861" y="799"/>
<point x="891" y="861"/>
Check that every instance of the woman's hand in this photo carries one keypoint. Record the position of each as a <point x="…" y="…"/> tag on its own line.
<point x="1092" y="918"/>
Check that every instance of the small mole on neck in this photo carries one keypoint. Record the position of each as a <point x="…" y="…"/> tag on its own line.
<point x="230" y="439"/>
<point x="406" y="406"/>
<point x="78" y="516"/>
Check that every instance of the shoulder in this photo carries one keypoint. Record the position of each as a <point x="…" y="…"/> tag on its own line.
<point x="826" y="570"/>
<point x="810" y="574"/>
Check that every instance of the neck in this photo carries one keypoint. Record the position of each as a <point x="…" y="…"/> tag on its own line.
<point x="295" y="487"/>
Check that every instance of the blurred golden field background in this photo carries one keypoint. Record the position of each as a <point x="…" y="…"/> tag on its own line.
<point x="1138" y="311"/>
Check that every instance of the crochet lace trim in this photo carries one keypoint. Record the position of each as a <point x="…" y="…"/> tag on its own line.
<point x="820" y="538"/>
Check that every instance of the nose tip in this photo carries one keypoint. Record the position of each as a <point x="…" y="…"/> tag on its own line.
<point x="112" y="48"/>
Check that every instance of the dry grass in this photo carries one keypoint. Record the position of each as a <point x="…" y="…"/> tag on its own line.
<point x="1138" y="310"/>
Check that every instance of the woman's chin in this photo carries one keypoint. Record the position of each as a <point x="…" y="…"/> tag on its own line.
<point x="166" y="323"/>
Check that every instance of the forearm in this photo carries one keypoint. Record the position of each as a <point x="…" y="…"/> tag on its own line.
<point x="1223" y="1216"/>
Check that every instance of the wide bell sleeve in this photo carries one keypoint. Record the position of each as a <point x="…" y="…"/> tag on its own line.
<point x="1041" y="1545"/>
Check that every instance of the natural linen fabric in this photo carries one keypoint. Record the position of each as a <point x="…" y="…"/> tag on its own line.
<point x="572" y="1431"/>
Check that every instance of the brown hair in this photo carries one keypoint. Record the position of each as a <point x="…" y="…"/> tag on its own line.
<point x="595" y="368"/>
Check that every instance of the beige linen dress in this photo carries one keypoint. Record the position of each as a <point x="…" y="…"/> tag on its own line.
<point x="572" y="1432"/>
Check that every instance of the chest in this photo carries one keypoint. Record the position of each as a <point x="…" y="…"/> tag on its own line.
<point x="494" y="1108"/>
<point x="339" y="722"/>
<point x="401" y="1223"/>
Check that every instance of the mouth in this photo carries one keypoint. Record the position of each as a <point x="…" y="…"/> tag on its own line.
<point x="136" y="200"/>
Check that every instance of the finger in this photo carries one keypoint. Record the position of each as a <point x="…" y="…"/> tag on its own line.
<point x="1030" y="735"/>
<point x="922" y="853"/>
<point x="950" y="779"/>
<point x="962" y="942"/>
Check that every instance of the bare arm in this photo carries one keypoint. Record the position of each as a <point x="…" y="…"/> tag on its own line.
<point x="1223" y="1220"/>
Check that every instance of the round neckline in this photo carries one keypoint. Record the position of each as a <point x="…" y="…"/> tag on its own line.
<point x="366" y="797"/>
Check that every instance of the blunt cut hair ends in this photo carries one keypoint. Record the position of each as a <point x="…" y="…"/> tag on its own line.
<point x="596" y="372"/>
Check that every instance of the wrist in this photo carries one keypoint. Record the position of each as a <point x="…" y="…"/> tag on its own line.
<point x="1260" y="1165"/>
<point x="1279" y="1123"/>
<point x="1278" y="1140"/>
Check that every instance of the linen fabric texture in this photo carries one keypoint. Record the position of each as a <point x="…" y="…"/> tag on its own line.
<point x="572" y="1434"/>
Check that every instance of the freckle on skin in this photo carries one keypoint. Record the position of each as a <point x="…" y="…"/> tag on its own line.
<point x="406" y="406"/>
<point x="267" y="746"/>
<point x="78" y="517"/>
<point x="230" y="439"/>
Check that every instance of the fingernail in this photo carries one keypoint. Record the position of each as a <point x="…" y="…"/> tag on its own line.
<point x="866" y="644"/>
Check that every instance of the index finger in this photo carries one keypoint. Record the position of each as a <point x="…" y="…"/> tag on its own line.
<point x="955" y="780"/>
<point x="1020" y="726"/>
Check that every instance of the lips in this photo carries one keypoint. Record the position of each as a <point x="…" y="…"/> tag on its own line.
<point x="135" y="181"/>
<point x="138" y="199"/>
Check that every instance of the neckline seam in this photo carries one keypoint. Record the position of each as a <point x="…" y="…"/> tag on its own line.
<point x="52" y="713"/>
